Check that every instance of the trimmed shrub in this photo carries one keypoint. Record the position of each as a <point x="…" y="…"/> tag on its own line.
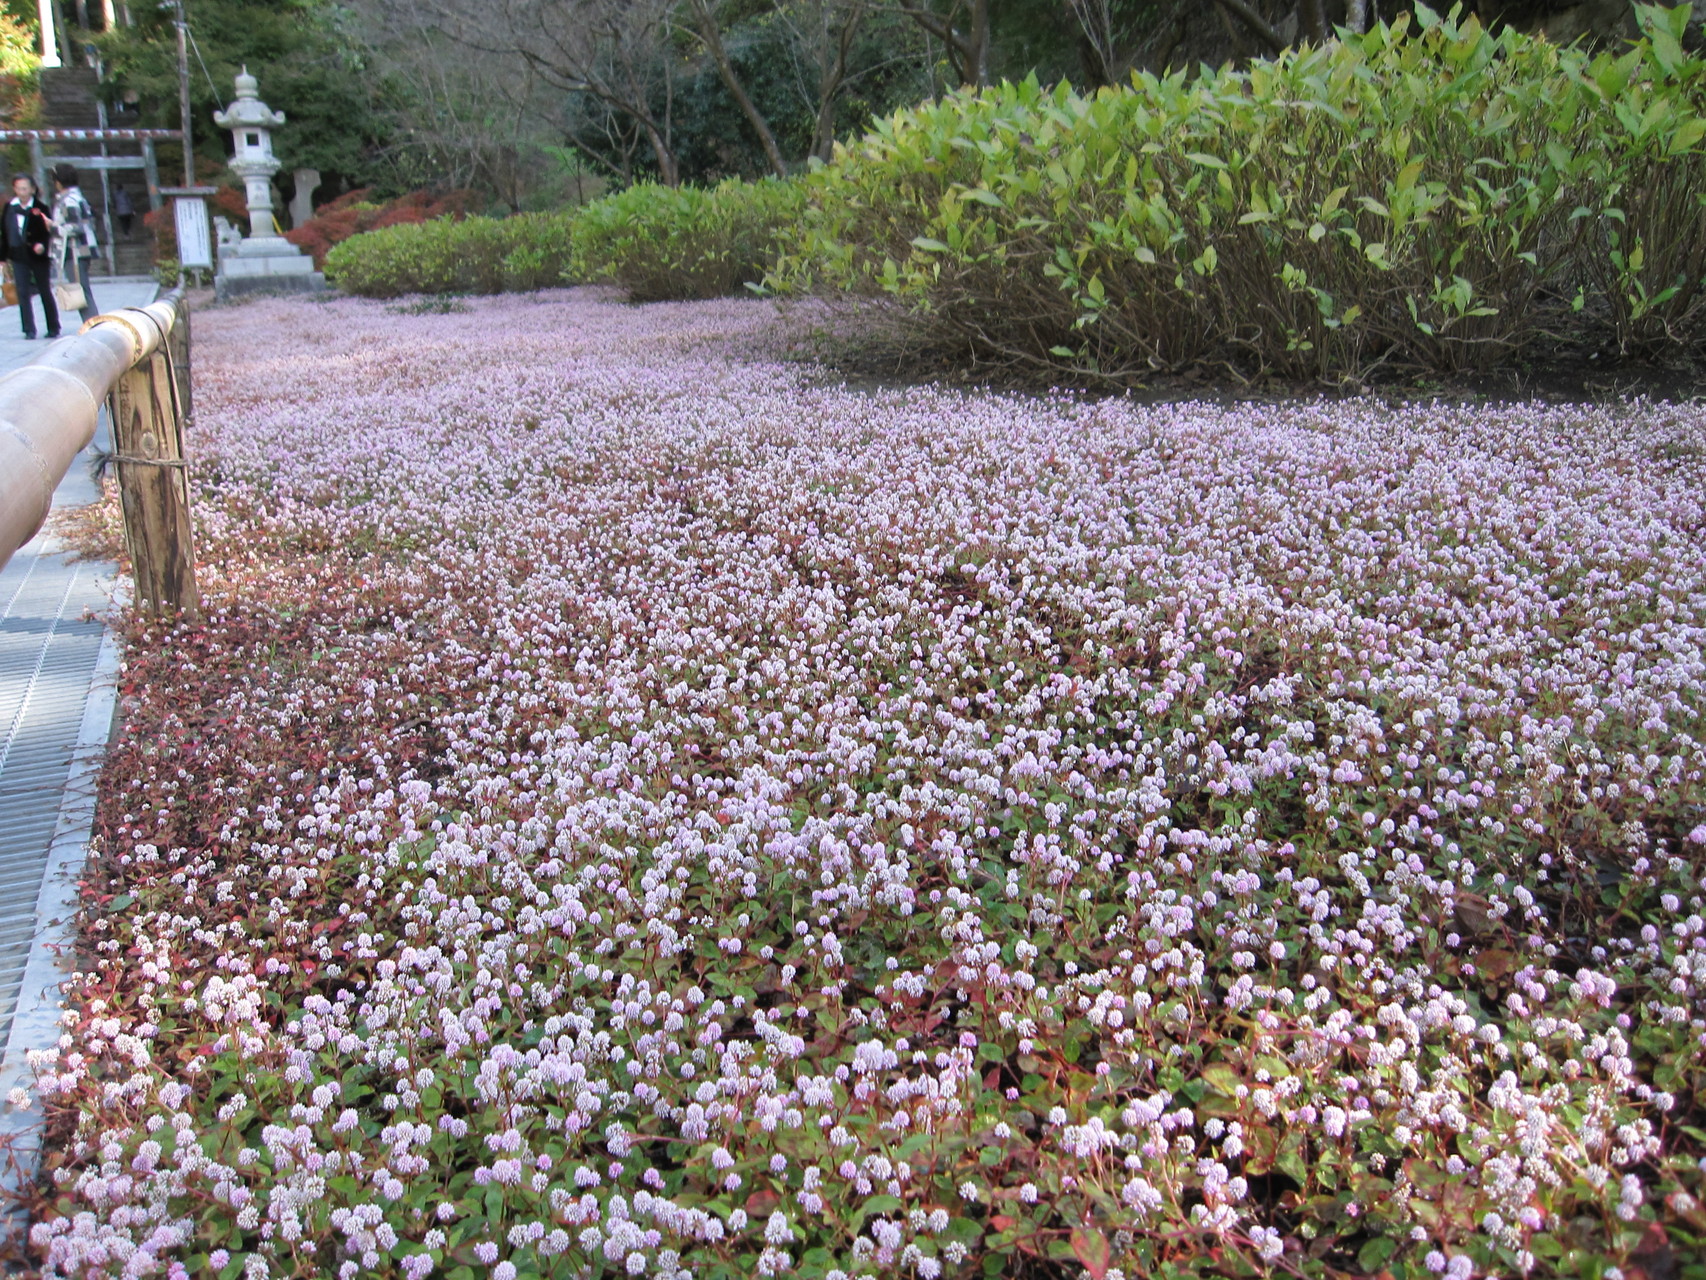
<point x="1648" y="259"/>
<point x="1429" y="193"/>
<point x="476" y="255"/>
<point x="540" y="252"/>
<point x="679" y="243"/>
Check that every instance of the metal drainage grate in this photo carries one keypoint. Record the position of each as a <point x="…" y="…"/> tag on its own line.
<point x="48" y="653"/>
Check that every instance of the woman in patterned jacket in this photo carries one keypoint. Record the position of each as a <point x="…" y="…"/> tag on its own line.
<point x="74" y="238"/>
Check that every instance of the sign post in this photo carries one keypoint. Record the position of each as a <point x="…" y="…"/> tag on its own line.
<point x="184" y="95"/>
<point x="195" y="236"/>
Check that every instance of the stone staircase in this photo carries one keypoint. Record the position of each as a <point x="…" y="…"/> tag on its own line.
<point x="71" y="100"/>
<point x="70" y="97"/>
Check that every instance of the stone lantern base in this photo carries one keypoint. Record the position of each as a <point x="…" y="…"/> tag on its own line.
<point x="261" y="266"/>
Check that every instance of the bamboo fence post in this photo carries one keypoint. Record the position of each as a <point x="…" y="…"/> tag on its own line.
<point x="148" y="447"/>
<point x="179" y="341"/>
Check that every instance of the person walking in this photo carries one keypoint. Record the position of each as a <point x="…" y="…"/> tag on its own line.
<point x="74" y="240"/>
<point x="27" y="225"/>
<point x="123" y="210"/>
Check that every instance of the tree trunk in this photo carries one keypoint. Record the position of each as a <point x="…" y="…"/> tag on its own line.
<point x="109" y="15"/>
<point x="977" y="50"/>
<point x="711" y="36"/>
<point x="832" y="77"/>
<point x="669" y="172"/>
<point x="1312" y="21"/>
<point x="1254" y="23"/>
<point x="1356" y="16"/>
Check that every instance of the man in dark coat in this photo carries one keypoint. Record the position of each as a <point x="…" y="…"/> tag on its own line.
<point x="27" y="225"/>
<point x="123" y="210"/>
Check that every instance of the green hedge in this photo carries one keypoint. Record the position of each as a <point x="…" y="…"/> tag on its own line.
<point x="656" y="242"/>
<point x="476" y="255"/>
<point x="661" y="242"/>
<point x="1429" y="193"/>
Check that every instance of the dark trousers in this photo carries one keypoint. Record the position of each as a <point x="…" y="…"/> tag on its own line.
<point x="31" y="276"/>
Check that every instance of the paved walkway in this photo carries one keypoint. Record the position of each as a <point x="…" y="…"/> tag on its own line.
<point x="57" y="663"/>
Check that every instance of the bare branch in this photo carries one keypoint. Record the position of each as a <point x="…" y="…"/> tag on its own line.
<point x="1254" y="23"/>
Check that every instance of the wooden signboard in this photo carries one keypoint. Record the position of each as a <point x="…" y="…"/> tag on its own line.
<point x="195" y="238"/>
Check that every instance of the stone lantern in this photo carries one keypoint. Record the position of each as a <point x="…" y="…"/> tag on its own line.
<point x="265" y="262"/>
<point x="251" y="123"/>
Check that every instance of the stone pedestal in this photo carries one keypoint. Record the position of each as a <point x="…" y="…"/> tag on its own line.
<point x="271" y="265"/>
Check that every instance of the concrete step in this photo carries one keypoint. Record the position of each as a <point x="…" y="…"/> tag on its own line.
<point x="69" y="118"/>
<point x="68" y="96"/>
<point x="59" y="84"/>
<point x="58" y="77"/>
<point x="134" y="258"/>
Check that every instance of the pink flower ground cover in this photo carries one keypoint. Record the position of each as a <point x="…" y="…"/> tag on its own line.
<point x="635" y="808"/>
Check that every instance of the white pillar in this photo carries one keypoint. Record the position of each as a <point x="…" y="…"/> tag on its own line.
<point x="49" y="34"/>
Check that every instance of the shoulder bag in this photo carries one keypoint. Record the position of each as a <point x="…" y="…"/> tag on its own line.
<point x="68" y="292"/>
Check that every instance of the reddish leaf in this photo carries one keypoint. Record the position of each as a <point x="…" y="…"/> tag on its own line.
<point x="1653" y="1258"/>
<point x="761" y="1203"/>
<point x="1091" y="1248"/>
<point x="1496" y="963"/>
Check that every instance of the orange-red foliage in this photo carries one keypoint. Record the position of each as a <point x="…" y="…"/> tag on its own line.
<point x="232" y="203"/>
<point x="227" y="202"/>
<point x="350" y="214"/>
<point x="332" y="223"/>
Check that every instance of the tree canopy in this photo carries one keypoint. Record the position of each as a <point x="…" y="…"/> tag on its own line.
<point x="510" y="96"/>
<point x="307" y="67"/>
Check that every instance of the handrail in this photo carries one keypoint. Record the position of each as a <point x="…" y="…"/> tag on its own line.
<point x="48" y="408"/>
<point x="90" y="135"/>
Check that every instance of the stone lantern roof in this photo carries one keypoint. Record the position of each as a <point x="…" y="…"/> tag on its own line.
<point x="248" y="112"/>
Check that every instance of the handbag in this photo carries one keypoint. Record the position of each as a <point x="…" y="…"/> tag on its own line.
<point x="68" y="294"/>
<point x="7" y="288"/>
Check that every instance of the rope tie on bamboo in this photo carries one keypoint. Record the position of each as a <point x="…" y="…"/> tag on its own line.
<point x="113" y="317"/>
<point x="124" y="318"/>
<point x="161" y="345"/>
<point x="179" y="463"/>
<point x="164" y="350"/>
